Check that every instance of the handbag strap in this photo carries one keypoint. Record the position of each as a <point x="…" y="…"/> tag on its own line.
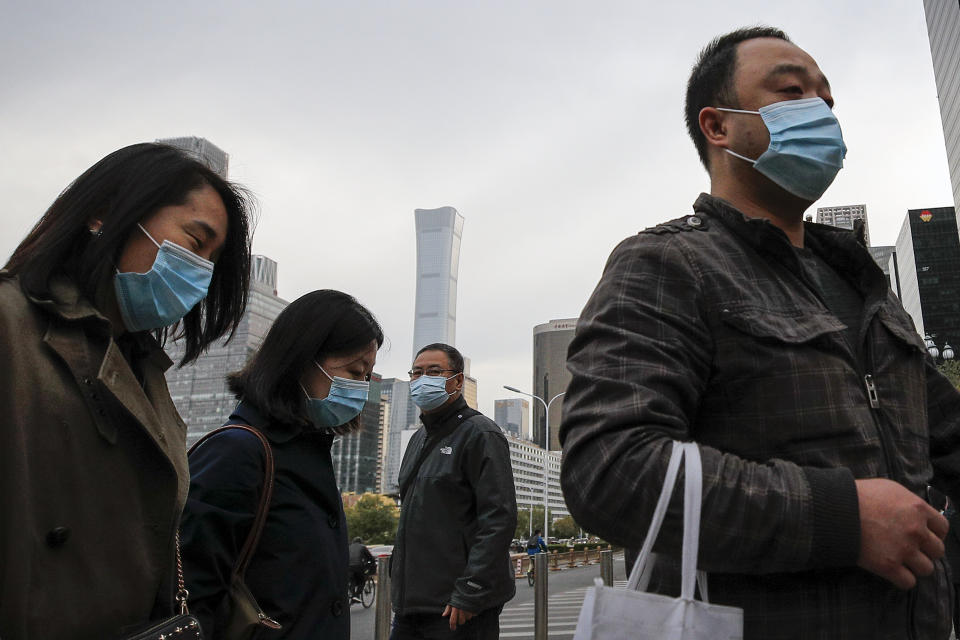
<point x="689" y="453"/>
<point x="260" y="516"/>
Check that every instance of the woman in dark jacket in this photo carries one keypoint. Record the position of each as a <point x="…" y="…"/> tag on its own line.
<point x="93" y="469"/>
<point x="306" y="384"/>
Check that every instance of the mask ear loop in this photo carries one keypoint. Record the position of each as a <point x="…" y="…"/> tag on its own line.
<point x="148" y="235"/>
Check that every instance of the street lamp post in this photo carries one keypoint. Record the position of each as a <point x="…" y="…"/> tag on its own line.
<point x="546" y="451"/>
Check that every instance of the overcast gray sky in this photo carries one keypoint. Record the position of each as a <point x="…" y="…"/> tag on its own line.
<point x="554" y="127"/>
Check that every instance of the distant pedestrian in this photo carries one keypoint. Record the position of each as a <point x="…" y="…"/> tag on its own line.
<point x="93" y="467"/>
<point x="777" y="347"/>
<point x="307" y="383"/>
<point x="451" y="571"/>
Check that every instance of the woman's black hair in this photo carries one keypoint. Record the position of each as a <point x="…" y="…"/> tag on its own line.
<point x="122" y="190"/>
<point x="315" y="326"/>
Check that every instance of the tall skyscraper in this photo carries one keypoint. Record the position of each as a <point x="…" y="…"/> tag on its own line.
<point x="845" y="217"/>
<point x="204" y="151"/>
<point x="513" y="416"/>
<point x="550" y="376"/>
<point x="943" y="27"/>
<point x="438" y="261"/>
<point x="928" y="257"/>
<point x="395" y="393"/>
<point x="356" y="456"/>
<point x="199" y="390"/>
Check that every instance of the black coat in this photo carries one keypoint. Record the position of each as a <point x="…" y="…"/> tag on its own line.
<point x="299" y="571"/>
<point x="457" y="519"/>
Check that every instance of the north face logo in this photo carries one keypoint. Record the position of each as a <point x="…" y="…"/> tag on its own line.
<point x="446" y="450"/>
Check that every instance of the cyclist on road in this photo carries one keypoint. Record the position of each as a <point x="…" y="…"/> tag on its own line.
<point x="362" y="564"/>
<point x="536" y="544"/>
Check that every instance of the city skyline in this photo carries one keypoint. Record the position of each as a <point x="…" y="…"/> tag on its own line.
<point x="555" y="145"/>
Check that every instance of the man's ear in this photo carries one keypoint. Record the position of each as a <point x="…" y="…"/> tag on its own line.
<point x="713" y="126"/>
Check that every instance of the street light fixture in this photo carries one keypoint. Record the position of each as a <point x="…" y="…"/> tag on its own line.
<point x="546" y="451"/>
<point x="935" y="352"/>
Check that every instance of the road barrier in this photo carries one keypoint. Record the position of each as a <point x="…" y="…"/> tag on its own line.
<point x="606" y="567"/>
<point x="384" y="610"/>
<point x="540" y="596"/>
<point x="558" y="561"/>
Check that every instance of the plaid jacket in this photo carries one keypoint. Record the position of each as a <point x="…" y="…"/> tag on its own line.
<point x="705" y="328"/>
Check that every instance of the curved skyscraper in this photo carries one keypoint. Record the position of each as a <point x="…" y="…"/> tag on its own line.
<point x="438" y="260"/>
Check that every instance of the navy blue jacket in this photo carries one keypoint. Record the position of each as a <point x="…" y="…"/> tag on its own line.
<point x="298" y="573"/>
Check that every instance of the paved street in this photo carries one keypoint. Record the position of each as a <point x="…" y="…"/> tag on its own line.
<point x="566" y="595"/>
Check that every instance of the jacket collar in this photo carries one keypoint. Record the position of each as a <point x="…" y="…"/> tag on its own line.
<point x="842" y="249"/>
<point x="246" y="413"/>
<point x="433" y="421"/>
<point x="67" y="302"/>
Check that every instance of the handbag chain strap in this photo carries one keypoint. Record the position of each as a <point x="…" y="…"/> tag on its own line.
<point x="182" y="593"/>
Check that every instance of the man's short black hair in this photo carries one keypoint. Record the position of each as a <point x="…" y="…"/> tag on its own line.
<point x="711" y="80"/>
<point x="454" y="356"/>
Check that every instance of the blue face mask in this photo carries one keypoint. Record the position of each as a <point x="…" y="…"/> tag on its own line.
<point x="344" y="402"/>
<point x="430" y="392"/>
<point x="176" y="282"/>
<point x="806" y="146"/>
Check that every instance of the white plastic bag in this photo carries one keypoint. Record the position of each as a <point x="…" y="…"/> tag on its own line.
<point x="634" y="614"/>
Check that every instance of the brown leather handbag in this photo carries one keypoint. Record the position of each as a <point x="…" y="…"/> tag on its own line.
<point x="239" y="616"/>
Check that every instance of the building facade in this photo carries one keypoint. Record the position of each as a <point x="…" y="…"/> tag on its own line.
<point x="928" y="258"/>
<point x="886" y="259"/>
<point x="527" y="461"/>
<point x="943" y="27"/>
<point x="199" y="390"/>
<point x="204" y="151"/>
<point x="356" y="456"/>
<point x="550" y="376"/>
<point x="438" y="262"/>
<point x="513" y="416"/>
<point x="395" y="395"/>
<point x="845" y="217"/>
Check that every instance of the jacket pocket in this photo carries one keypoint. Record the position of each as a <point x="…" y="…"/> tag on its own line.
<point x="901" y="326"/>
<point x="781" y="325"/>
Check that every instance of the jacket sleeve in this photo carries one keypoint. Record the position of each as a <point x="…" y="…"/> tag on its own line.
<point x="640" y="363"/>
<point x="482" y="583"/>
<point x="226" y="479"/>
<point x="943" y="414"/>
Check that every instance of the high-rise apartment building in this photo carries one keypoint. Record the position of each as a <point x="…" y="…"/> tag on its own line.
<point x="356" y="456"/>
<point x="845" y="217"/>
<point x="550" y="376"/>
<point x="928" y="258"/>
<point x="513" y="416"/>
<point x="438" y="261"/>
<point x="526" y="460"/>
<point x="943" y="27"/>
<point x="199" y="390"/>
<point x="204" y="151"/>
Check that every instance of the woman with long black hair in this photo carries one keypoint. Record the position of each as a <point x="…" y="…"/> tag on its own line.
<point x="93" y="471"/>
<point x="307" y="383"/>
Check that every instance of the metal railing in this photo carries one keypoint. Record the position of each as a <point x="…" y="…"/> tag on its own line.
<point x="569" y="559"/>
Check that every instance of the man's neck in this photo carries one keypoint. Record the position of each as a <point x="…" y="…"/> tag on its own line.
<point x="786" y="213"/>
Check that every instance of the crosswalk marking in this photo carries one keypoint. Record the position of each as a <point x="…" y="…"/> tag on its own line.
<point x="517" y="621"/>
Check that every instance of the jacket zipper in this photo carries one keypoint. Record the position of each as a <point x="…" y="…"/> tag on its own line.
<point x="873" y="397"/>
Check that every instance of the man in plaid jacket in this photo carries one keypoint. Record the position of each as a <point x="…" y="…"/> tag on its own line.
<point x="778" y="347"/>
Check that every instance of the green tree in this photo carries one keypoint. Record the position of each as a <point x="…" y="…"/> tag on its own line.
<point x="951" y="369"/>
<point x="374" y="518"/>
<point x="565" y="528"/>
